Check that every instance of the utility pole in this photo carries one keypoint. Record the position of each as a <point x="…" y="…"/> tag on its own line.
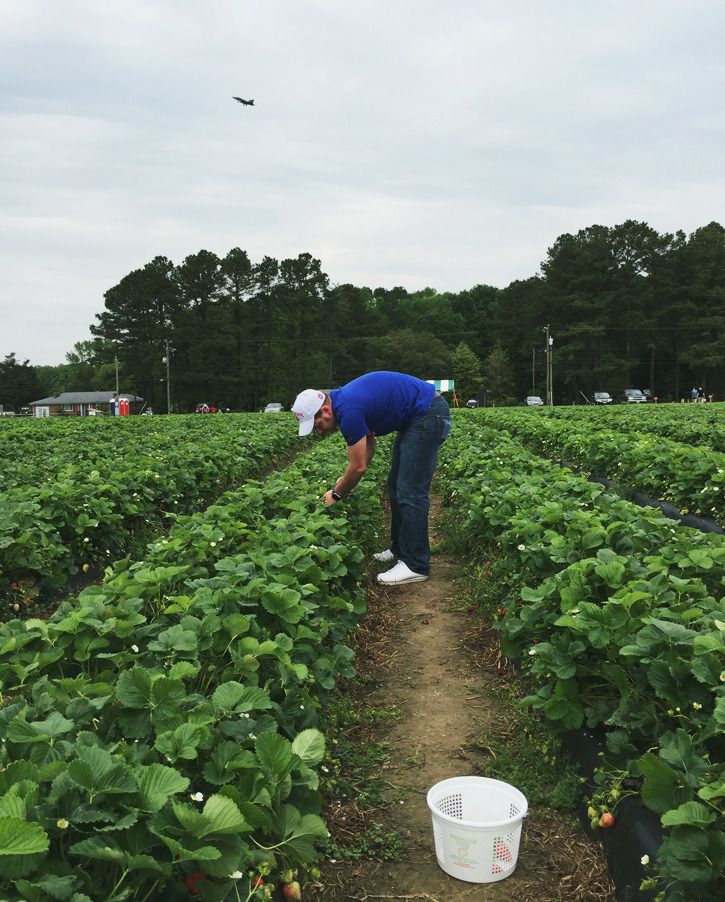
<point x="549" y="368"/>
<point x="167" y="361"/>
<point x="115" y="360"/>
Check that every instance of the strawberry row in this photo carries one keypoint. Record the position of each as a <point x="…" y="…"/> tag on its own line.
<point x="161" y="728"/>
<point x="691" y="477"/>
<point x="616" y="617"/>
<point x="129" y="479"/>
<point x="695" y="424"/>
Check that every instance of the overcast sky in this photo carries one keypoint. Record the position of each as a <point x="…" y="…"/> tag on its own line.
<point x="401" y="142"/>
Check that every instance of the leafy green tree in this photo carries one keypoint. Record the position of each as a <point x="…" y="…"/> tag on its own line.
<point x="701" y="336"/>
<point x="466" y="369"/>
<point x="138" y="319"/>
<point x="406" y="351"/>
<point x="519" y="315"/>
<point x="429" y="311"/>
<point x="233" y="325"/>
<point x="499" y="377"/>
<point x="52" y="380"/>
<point x="475" y="310"/>
<point x="90" y="367"/>
<point x="18" y="383"/>
<point x="388" y="304"/>
<point x="349" y="319"/>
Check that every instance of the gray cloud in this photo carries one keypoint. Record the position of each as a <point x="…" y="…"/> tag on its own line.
<point x="413" y="143"/>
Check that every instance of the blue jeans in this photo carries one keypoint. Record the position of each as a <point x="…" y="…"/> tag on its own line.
<point x="415" y="454"/>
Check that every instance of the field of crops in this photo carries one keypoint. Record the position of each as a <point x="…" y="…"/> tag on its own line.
<point x="614" y="612"/>
<point x="163" y="721"/>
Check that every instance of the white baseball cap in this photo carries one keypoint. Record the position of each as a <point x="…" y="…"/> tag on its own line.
<point x="306" y="405"/>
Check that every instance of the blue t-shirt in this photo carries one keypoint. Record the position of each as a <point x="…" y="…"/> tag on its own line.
<point x="379" y="403"/>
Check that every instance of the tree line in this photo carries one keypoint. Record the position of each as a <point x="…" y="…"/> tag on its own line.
<point x="625" y="305"/>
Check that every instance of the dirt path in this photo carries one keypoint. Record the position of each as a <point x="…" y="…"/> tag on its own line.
<point x="424" y="663"/>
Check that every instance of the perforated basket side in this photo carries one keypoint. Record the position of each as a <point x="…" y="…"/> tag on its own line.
<point x="451" y="805"/>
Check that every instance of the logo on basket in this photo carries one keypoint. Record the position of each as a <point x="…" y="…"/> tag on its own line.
<point x="461" y="856"/>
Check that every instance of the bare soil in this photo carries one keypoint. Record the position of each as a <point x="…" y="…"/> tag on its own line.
<point x="428" y="660"/>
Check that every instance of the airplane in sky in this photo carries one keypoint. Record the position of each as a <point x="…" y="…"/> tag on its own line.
<point x="245" y="102"/>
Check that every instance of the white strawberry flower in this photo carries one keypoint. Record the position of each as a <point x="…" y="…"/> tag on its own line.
<point x="521" y="547"/>
<point x="197" y="796"/>
<point x="236" y="875"/>
<point x="644" y="859"/>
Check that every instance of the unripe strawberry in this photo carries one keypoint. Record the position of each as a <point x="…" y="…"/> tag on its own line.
<point x="607" y="820"/>
<point x="292" y="891"/>
<point x="86" y="568"/>
<point x="592" y="812"/>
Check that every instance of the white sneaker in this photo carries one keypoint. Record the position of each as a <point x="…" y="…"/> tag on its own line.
<point x="399" y="575"/>
<point x="385" y="557"/>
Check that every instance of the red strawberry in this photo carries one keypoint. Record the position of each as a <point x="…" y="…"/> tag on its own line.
<point x="292" y="891"/>
<point x="193" y="879"/>
<point x="607" y="820"/>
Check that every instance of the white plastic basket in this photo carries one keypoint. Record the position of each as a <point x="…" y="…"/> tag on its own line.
<point x="477" y="827"/>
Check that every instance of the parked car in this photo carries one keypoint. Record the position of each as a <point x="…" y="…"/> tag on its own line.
<point x="631" y="396"/>
<point x="602" y="397"/>
<point x="533" y="401"/>
<point x="273" y="407"/>
<point x="472" y="403"/>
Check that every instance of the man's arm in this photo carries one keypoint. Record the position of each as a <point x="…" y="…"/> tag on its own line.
<point x="358" y="458"/>
<point x="372" y="444"/>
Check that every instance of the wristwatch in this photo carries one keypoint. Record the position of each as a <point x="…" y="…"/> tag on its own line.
<point x="336" y="496"/>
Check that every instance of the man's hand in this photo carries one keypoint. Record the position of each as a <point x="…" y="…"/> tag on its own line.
<point x="327" y="498"/>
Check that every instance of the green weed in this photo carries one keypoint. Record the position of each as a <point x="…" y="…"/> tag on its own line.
<point x="353" y="766"/>
<point x="529" y="756"/>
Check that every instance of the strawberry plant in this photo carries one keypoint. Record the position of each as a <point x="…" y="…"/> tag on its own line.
<point x="162" y="725"/>
<point x="110" y="485"/>
<point x="615" y="614"/>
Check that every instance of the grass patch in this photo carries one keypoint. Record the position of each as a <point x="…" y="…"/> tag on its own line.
<point x="352" y="782"/>
<point x="526" y="753"/>
<point x="375" y="844"/>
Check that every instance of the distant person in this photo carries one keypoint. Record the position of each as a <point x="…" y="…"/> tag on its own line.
<point x="693" y="395"/>
<point x="377" y="404"/>
<point x="701" y="395"/>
